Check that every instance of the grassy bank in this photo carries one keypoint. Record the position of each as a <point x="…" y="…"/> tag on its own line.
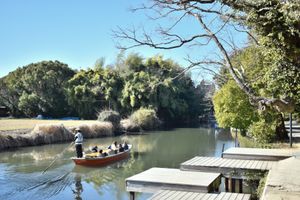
<point x="17" y="124"/>
<point x="248" y="142"/>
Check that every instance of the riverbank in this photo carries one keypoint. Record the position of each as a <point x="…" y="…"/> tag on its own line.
<point x="16" y="133"/>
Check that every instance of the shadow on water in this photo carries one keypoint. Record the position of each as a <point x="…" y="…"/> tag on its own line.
<point x="21" y="171"/>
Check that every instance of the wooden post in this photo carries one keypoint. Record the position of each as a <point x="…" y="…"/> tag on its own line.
<point x="240" y="185"/>
<point x="291" y="131"/>
<point x="131" y="194"/>
<point x="226" y="184"/>
<point x="232" y="185"/>
<point x="222" y="150"/>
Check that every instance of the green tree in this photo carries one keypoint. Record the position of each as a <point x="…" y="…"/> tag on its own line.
<point x="232" y="107"/>
<point x="273" y="24"/>
<point x="150" y="84"/>
<point x="93" y="90"/>
<point x="37" y="88"/>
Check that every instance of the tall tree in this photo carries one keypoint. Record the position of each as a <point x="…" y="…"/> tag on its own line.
<point x="37" y="88"/>
<point x="273" y="24"/>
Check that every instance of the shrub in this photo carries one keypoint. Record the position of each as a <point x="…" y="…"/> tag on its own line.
<point x="263" y="132"/>
<point x="128" y="126"/>
<point x="97" y="129"/>
<point x="145" y="119"/>
<point x="110" y="116"/>
<point x="49" y="133"/>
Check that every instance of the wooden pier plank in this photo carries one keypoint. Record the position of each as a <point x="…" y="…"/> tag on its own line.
<point x="155" y="179"/>
<point x="185" y="195"/>
<point x="257" y="154"/>
<point x="190" y="160"/>
<point x="224" y="165"/>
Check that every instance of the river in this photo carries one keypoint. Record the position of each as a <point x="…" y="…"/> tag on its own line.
<point x="21" y="170"/>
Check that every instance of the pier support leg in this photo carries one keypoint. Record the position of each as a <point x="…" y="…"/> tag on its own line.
<point x="226" y="184"/>
<point x="240" y="185"/>
<point x="232" y="185"/>
<point x="132" y="196"/>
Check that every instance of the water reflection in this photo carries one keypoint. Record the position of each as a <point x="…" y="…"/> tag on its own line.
<point x="21" y="171"/>
<point x="78" y="187"/>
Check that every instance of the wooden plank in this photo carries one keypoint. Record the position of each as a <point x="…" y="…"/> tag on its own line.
<point x="259" y="165"/>
<point x="159" y="194"/>
<point x="254" y="163"/>
<point x="225" y="163"/>
<point x="244" y="166"/>
<point x="189" y="161"/>
<point x="220" y="196"/>
<point x="240" y="164"/>
<point x="179" y="196"/>
<point x="155" y="179"/>
<point x="188" y="196"/>
<point x="171" y="195"/>
<point x="257" y="154"/>
<point x="193" y="196"/>
<point x="199" y="196"/>
<point x="234" y="196"/>
<point x="202" y="159"/>
<point x="246" y="197"/>
<point x="185" y="195"/>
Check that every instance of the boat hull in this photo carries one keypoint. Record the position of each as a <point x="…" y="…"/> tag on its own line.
<point x="101" y="161"/>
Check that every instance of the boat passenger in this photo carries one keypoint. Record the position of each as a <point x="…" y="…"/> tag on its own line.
<point x="125" y="145"/>
<point x="121" y="149"/>
<point x="114" y="147"/>
<point x="78" y="142"/>
<point x="101" y="154"/>
<point x="95" y="149"/>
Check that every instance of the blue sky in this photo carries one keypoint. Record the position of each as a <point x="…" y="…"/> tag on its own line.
<point x="75" y="32"/>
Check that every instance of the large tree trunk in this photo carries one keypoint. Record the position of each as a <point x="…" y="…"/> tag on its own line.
<point x="281" y="133"/>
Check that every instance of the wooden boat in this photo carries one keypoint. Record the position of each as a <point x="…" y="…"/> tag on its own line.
<point x="93" y="159"/>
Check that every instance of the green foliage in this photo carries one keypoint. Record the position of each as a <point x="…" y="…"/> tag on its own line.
<point x="150" y="84"/>
<point x="110" y="116"/>
<point x="28" y="102"/>
<point x="261" y="186"/>
<point x="232" y="107"/>
<point x="264" y="130"/>
<point x="37" y="88"/>
<point x="52" y="89"/>
<point x="145" y="118"/>
<point x="275" y="22"/>
<point x="90" y="91"/>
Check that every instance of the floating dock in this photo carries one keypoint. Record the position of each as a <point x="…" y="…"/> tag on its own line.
<point x="155" y="179"/>
<point x="257" y="154"/>
<point x="224" y="165"/>
<point x="175" y="195"/>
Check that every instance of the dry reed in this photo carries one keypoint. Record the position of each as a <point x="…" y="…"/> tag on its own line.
<point x="49" y="133"/>
<point x="129" y="126"/>
<point x="54" y="133"/>
<point x="97" y="129"/>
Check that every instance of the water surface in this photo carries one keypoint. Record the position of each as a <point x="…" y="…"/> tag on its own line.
<point x="21" y="170"/>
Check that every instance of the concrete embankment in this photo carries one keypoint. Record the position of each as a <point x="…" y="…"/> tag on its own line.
<point x="52" y="133"/>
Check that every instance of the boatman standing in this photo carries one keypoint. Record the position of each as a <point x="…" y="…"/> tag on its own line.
<point x="78" y="142"/>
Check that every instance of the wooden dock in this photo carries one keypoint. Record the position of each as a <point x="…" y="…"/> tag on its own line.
<point x="224" y="165"/>
<point x="257" y="154"/>
<point x="155" y="179"/>
<point x="183" y="195"/>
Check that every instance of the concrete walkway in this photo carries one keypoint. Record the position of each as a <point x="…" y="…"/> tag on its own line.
<point x="283" y="180"/>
